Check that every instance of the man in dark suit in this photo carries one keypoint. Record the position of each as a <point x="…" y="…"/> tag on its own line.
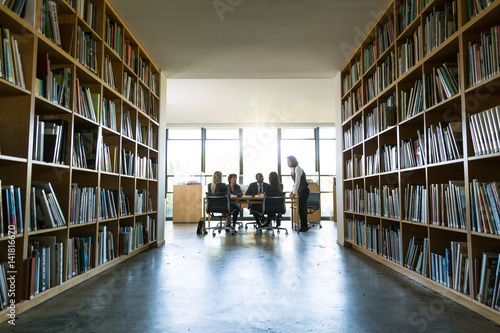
<point x="257" y="188"/>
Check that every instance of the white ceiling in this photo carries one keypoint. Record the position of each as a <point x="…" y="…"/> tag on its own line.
<point x="242" y="61"/>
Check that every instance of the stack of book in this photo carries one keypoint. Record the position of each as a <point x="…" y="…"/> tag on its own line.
<point x="407" y="11"/>
<point x="11" y="211"/>
<point x="50" y="140"/>
<point x="53" y="83"/>
<point x="440" y="25"/>
<point x="85" y="150"/>
<point x="373" y="201"/>
<point x="411" y="101"/>
<point x="346" y="109"/>
<point x="355" y="231"/>
<point x="372" y="123"/>
<point x="128" y="163"/>
<point x="113" y="35"/>
<point x="370" y="55"/>
<point x="372" y="238"/>
<point x="390" y="202"/>
<point x="389" y="158"/>
<point x="88" y="12"/>
<point x="487" y="280"/>
<point x="444" y="142"/>
<point x="372" y="164"/>
<point x="48" y="21"/>
<point x="109" y="158"/>
<point x="388" y="112"/>
<point x="451" y="269"/>
<point x="86" y="50"/>
<point x="79" y="255"/>
<point x="484" y="56"/>
<point x="127" y="125"/>
<point x="412" y="152"/>
<point x="124" y="204"/>
<point x="46" y="210"/>
<point x="385" y="36"/>
<point x="356" y="72"/>
<point x="106" y="248"/>
<point x="109" y="75"/>
<point x="87" y="102"/>
<point x="129" y="87"/>
<point x="108" y="204"/>
<point x="386" y="73"/>
<point x="391" y="243"/>
<point x="358" y="132"/>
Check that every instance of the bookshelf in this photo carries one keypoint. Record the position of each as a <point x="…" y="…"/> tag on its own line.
<point x="80" y="129"/>
<point x="421" y="129"/>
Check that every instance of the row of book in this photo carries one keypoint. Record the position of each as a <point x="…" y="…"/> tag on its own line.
<point x="79" y="256"/>
<point x="389" y="158"/>
<point x="487" y="279"/>
<point x="88" y="12"/>
<point x="129" y="88"/>
<point x="413" y="152"/>
<point x="441" y="141"/>
<point x="451" y="268"/>
<point x="50" y="140"/>
<point x="346" y="109"/>
<point x="11" y="210"/>
<point x="372" y="164"/>
<point x="53" y="83"/>
<point x="415" y="203"/>
<point x="45" y="211"/>
<point x="127" y="125"/>
<point x="355" y="72"/>
<point x="109" y="114"/>
<point x="386" y="36"/>
<point x="11" y="66"/>
<point x="448" y="204"/>
<point x="407" y="12"/>
<point x="372" y="237"/>
<point x="4" y="286"/>
<point x="44" y="265"/>
<point x="484" y="56"/>
<point x="441" y="23"/>
<point x="417" y="255"/>
<point x="372" y="123"/>
<point x="441" y="84"/>
<point x="143" y="202"/>
<point x="108" y="73"/>
<point x="370" y="55"/>
<point x="388" y="112"/>
<point x="390" y="202"/>
<point x="124" y="204"/>
<point x="410" y="52"/>
<point x="86" y="50"/>
<point x="411" y="101"/>
<point x="83" y="204"/>
<point x="84" y="150"/>
<point x="357" y="99"/>
<point x="372" y="196"/>
<point x="108" y="204"/>
<point x="391" y="243"/>
<point x="485" y="131"/>
<point x="106" y="247"/>
<point x="113" y="35"/>
<point x="386" y="73"/>
<point x="48" y="21"/>
<point x="355" y="231"/>
<point x="17" y="6"/>
<point x="146" y="167"/>
<point x="355" y="200"/>
<point x="129" y="56"/>
<point x="358" y="132"/>
<point x="109" y="158"/>
<point x="87" y="102"/>
<point x="474" y="7"/>
<point x="144" y="134"/>
<point x="133" y="238"/>
<point x="485" y="206"/>
<point x="143" y="98"/>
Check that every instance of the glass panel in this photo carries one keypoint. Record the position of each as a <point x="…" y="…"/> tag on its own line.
<point x="326" y="183"/>
<point x="183" y="157"/>
<point x="326" y="205"/>
<point x="327" y="133"/>
<point x="287" y="183"/>
<point x="303" y="150"/>
<point x="260" y="153"/>
<point x="170" y="201"/>
<point x="223" y="156"/>
<point x="297" y="133"/>
<point x="184" y="134"/>
<point x="327" y="157"/>
<point x="223" y="134"/>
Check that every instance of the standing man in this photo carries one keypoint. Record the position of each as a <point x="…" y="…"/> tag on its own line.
<point x="257" y="189"/>
<point x="300" y="188"/>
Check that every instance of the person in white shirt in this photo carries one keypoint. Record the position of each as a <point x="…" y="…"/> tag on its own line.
<point x="300" y="188"/>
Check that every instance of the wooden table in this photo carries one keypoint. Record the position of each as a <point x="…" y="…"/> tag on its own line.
<point x="245" y="200"/>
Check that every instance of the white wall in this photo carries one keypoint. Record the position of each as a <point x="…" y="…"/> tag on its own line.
<point x="340" y="163"/>
<point x="162" y="145"/>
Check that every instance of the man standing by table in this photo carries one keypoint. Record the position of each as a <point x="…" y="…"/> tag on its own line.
<point x="257" y="189"/>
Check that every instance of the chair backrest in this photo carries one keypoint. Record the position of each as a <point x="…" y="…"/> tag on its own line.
<point x="217" y="203"/>
<point x="313" y="201"/>
<point x="274" y="204"/>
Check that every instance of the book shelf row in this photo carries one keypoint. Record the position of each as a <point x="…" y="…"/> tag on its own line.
<point x="421" y="66"/>
<point x="420" y="114"/>
<point x="447" y="264"/>
<point x="78" y="145"/>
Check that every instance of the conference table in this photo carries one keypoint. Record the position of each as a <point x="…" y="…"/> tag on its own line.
<point x="245" y="200"/>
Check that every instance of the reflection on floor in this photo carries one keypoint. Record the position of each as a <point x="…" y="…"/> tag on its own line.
<point x="249" y="283"/>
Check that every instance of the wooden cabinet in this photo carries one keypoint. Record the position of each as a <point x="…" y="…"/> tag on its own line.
<point x="188" y="203"/>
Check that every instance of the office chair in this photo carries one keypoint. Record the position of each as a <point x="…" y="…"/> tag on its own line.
<point x="219" y="204"/>
<point x="312" y="205"/>
<point x="273" y="207"/>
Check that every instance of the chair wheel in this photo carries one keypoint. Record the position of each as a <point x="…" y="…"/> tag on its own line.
<point x="278" y="231"/>
<point x="286" y="234"/>
<point x="206" y="232"/>
<point x="213" y="234"/>
<point x="219" y="231"/>
<point x="320" y="226"/>
<point x="273" y="234"/>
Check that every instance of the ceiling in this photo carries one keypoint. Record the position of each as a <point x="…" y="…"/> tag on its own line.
<point x="227" y="54"/>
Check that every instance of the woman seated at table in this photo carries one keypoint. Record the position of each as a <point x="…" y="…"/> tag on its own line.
<point x="274" y="189"/>
<point x="234" y="190"/>
<point x="217" y="187"/>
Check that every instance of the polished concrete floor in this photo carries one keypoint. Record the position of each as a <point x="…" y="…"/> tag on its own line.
<point x="248" y="283"/>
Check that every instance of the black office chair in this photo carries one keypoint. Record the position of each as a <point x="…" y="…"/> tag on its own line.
<point x="312" y="205"/>
<point x="220" y="205"/>
<point x="273" y="207"/>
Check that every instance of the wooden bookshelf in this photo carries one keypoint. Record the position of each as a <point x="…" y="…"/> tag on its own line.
<point x="388" y="123"/>
<point x="102" y="72"/>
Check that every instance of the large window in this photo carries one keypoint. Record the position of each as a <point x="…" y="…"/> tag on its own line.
<point x="194" y="154"/>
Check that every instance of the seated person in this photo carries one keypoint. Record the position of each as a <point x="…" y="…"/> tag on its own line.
<point x="234" y="190"/>
<point x="274" y="189"/>
<point x="257" y="188"/>
<point x="217" y="187"/>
